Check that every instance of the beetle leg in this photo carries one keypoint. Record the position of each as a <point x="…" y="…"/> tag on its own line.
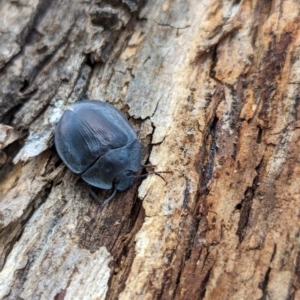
<point x="110" y="197"/>
<point x="94" y="196"/>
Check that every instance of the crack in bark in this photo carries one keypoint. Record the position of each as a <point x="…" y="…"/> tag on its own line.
<point x="220" y="32"/>
<point x="204" y="284"/>
<point x="264" y="284"/>
<point x="61" y="295"/>
<point x="186" y="193"/>
<point x="81" y="82"/>
<point x="245" y="205"/>
<point x="214" y="58"/>
<point x="211" y="144"/>
<point x="272" y="64"/>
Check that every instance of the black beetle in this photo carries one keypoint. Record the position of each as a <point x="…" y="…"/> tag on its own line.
<point x="95" y="140"/>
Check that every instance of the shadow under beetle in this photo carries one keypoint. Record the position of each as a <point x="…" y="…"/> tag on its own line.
<point x="95" y="140"/>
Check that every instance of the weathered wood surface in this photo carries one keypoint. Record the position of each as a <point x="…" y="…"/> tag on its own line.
<point x="213" y="87"/>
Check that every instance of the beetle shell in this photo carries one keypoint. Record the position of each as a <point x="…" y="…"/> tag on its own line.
<point x="94" y="139"/>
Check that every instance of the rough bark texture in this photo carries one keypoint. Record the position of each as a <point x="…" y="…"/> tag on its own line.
<point x="213" y="88"/>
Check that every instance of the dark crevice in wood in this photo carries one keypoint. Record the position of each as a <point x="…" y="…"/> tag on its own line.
<point x="263" y="285"/>
<point x="208" y="161"/>
<point x="105" y="17"/>
<point x="238" y="206"/>
<point x="204" y="284"/>
<point x="52" y="163"/>
<point x="7" y="117"/>
<point x="11" y="151"/>
<point x="89" y="60"/>
<point x="259" y="135"/>
<point x="254" y="36"/>
<point x="204" y="163"/>
<point x="236" y="2"/>
<point x="214" y="58"/>
<point x="24" y="86"/>
<point x="79" y="90"/>
<point x="273" y="62"/>
<point x="61" y="295"/>
<point x="234" y="152"/>
<point x="295" y="111"/>
<point x="186" y="193"/>
<point x="107" y="47"/>
<point x="297" y="271"/>
<point x="245" y="206"/>
<point x="133" y="5"/>
<point x="236" y="106"/>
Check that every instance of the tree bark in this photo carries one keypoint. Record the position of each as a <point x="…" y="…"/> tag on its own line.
<point x="212" y="87"/>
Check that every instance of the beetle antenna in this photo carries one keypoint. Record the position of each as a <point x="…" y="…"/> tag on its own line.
<point x="148" y="166"/>
<point x="159" y="172"/>
<point x="109" y="198"/>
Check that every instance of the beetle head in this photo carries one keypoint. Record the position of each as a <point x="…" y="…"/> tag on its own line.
<point x="124" y="180"/>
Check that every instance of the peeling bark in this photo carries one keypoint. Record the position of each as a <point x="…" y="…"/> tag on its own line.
<point x="212" y="87"/>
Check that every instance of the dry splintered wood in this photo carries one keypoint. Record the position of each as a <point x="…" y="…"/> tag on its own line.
<point x="212" y="87"/>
